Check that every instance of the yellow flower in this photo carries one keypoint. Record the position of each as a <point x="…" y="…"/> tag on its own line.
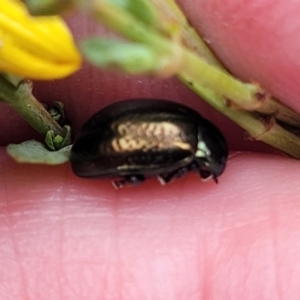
<point x="35" y="47"/>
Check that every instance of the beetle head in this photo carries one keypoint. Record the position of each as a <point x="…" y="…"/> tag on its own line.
<point x="212" y="153"/>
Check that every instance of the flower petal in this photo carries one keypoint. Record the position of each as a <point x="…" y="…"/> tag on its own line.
<point x="35" y="47"/>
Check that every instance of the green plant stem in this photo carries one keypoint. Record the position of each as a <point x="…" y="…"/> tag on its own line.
<point x="270" y="133"/>
<point x="171" y="12"/>
<point x="47" y="7"/>
<point x="209" y="75"/>
<point x="26" y="105"/>
<point x="246" y="96"/>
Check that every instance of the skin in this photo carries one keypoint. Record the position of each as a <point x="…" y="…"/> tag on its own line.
<point x="62" y="237"/>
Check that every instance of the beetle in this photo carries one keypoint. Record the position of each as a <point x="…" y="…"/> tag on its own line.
<point x="135" y="139"/>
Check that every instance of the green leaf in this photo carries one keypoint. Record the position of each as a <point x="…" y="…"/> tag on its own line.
<point x="34" y="152"/>
<point x="129" y="57"/>
<point x="56" y="142"/>
<point x="140" y="9"/>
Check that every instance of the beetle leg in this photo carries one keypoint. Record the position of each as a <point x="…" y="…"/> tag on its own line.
<point x="168" y="177"/>
<point x="205" y="175"/>
<point x="128" y="180"/>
